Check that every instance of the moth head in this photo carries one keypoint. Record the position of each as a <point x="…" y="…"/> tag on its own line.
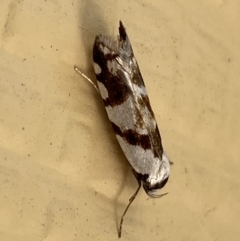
<point x="153" y="182"/>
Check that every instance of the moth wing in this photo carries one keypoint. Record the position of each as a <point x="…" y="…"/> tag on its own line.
<point x="126" y="101"/>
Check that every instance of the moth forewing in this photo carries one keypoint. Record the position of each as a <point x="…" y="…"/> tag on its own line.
<point x="123" y="91"/>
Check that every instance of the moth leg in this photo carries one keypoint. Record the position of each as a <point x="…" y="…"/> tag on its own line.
<point x="85" y="77"/>
<point x="130" y="202"/>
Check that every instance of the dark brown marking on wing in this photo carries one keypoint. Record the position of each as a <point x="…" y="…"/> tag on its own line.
<point x="115" y="85"/>
<point x="132" y="137"/>
<point x="122" y="31"/>
<point x="156" y="142"/>
<point x="154" y="134"/>
<point x="137" y="76"/>
<point x="126" y="45"/>
<point x="144" y="101"/>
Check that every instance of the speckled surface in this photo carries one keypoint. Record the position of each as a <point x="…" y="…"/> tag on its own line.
<point x="62" y="173"/>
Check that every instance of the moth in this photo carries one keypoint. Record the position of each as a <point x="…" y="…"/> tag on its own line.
<point x="121" y="86"/>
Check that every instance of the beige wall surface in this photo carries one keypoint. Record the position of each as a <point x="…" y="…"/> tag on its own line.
<point x="62" y="174"/>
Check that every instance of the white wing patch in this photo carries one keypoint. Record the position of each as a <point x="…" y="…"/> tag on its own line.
<point x="143" y="161"/>
<point x="97" y="68"/>
<point x="103" y="90"/>
<point x="125" y="119"/>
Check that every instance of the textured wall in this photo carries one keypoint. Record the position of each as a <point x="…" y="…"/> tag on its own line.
<point x="62" y="173"/>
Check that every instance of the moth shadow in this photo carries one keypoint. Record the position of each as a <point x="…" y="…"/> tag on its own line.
<point x="92" y="22"/>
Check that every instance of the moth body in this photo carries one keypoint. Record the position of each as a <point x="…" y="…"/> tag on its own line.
<point x="127" y="104"/>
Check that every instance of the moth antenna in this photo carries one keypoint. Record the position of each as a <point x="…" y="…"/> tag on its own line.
<point x="125" y="211"/>
<point x="85" y="77"/>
